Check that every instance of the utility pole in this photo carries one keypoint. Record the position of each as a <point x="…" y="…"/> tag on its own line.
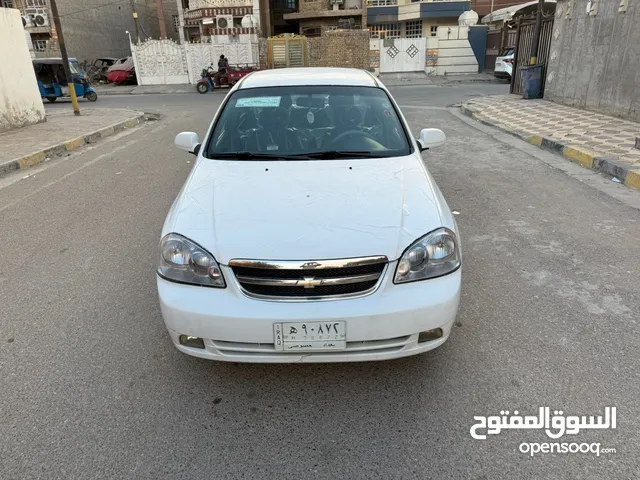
<point x="163" y="26"/>
<point x="536" y="34"/>
<point x="65" y="57"/>
<point x="135" y="20"/>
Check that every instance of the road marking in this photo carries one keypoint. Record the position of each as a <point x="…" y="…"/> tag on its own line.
<point x="73" y="172"/>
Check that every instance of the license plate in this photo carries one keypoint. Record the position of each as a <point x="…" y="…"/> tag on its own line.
<point x="310" y="336"/>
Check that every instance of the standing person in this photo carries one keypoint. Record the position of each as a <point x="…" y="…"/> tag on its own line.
<point x="223" y="65"/>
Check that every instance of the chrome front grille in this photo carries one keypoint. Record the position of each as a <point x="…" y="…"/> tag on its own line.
<point x="311" y="280"/>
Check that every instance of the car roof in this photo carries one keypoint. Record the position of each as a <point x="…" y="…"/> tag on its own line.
<point x="309" y="76"/>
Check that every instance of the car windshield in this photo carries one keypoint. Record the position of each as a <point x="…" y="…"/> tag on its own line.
<point x="75" y="66"/>
<point x="308" y="122"/>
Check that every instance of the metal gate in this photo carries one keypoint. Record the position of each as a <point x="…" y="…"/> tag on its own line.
<point x="498" y="41"/>
<point x="288" y="50"/>
<point x="402" y="55"/>
<point x="524" y="46"/>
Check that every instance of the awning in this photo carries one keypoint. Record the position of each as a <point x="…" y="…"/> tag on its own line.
<point x="507" y="13"/>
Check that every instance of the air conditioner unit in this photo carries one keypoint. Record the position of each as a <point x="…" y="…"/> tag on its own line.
<point x="224" y="21"/>
<point x="26" y="21"/>
<point x="41" y="20"/>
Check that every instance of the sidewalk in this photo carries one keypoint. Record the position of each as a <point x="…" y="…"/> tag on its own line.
<point x="111" y="89"/>
<point x="389" y="79"/>
<point x="596" y="141"/>
<point x="416" y="78"/>
<point x="60" y="134"/>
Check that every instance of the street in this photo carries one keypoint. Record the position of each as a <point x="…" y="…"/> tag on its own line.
<point x="92" y="386"/>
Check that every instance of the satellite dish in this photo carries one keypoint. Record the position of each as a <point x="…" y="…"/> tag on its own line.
<point x="249" y="21"/>
<point x="468" y="19"/>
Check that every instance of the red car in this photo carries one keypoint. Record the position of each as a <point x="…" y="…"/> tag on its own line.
<point x="122" y="71"/>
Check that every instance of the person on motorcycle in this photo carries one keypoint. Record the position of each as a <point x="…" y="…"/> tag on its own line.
<point x="223" y="65"/>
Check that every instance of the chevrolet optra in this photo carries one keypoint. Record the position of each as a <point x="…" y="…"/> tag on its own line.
<point x="309" y="228"/>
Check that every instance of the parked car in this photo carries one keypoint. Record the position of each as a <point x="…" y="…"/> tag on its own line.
<point x="309" y="228"/>
<point x="97" y="72"/>
<point x="123" y="71"/>
<point x="504" y="65"/>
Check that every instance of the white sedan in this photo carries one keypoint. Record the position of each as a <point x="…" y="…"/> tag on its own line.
<point x="309" y="229"/>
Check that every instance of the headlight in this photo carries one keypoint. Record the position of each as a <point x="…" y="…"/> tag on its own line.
<point x="184" y="261"/>
<point x="433" y="255"/>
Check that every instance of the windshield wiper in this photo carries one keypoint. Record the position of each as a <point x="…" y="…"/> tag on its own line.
<point x="252" y="156"/>
<point x="333" y="154"/>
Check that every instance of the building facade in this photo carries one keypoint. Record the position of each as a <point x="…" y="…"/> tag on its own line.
<point x="96" y="31"/>
<point x="412" y="19"/>
<point x="314" y="17"/>
<point x="219" y="21"/>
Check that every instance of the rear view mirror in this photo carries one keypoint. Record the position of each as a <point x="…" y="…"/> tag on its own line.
<point x="188" y="141"/>
<point x="430" y="138"/>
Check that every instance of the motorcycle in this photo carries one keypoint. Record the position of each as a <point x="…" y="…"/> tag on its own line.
<point x="234" y="73"/>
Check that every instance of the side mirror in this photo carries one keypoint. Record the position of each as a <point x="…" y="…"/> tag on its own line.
<point x="188" y="141"/>
<point x="430" y="138"/>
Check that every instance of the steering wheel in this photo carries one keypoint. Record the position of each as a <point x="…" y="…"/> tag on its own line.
<point x="350" y="133"/>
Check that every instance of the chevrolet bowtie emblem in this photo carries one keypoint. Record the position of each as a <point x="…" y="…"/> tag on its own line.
<point x="309" y="282"/>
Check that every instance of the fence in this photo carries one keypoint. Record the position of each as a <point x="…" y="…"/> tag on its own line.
<point x="164" y="62"/>
<point x="524" y="47"/>
<point x="497" y="42"/>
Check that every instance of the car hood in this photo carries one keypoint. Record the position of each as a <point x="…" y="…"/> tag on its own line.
<point x="306" y="210"/>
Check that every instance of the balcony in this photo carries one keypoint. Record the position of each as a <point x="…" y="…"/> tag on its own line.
<point x="379" y="11"/>
<point x="353" y="9"/>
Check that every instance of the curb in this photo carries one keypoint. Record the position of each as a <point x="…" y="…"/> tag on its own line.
<point x="61" y="149"/>
<point x="608" y="165"/>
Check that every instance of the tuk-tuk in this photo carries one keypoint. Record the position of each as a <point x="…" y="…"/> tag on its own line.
<point x="52" y="80"/>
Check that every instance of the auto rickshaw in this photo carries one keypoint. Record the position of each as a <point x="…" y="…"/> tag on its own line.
<point x="52" y="79"/>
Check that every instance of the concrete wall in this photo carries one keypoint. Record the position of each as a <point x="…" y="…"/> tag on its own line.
<point x="100" y="32"/>
<point x="20" y="102"/>
<point x="594" y="60"/>
<point x="340" y="48"/>
<point x="450" y="53"/>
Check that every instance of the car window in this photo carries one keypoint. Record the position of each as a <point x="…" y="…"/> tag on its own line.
<point x="309" y="119"/>
<point x="507" y="52"/>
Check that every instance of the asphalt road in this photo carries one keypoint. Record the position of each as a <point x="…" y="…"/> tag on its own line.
<point x="92" y="388"/>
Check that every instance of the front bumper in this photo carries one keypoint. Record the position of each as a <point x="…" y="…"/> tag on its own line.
<point x="382" y="325"/>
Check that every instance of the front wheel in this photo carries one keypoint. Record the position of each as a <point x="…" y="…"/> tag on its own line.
<point x="52" y="99"/>
<point x="91" y="96"/>
<point x="202" y="87"/>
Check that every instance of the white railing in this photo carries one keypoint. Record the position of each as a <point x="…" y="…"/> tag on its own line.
<point x="197" y="4"/>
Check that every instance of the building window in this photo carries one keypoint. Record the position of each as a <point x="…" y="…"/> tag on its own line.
<point x="413" y="29"/>
<point x="381" y="3"/>
<point x="35" y="3"/>
<point x="433" y="30"/>
<point x="385" y="30"/>
<point x="176" y="23"/>
<point x="7" y="4"/>
<point x="39" y="45"/>
<point x="312" y="31"/>
<point x="291" y="4"/>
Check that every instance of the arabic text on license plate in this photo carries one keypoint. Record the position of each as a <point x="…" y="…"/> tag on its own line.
<point x="310" y="336"/>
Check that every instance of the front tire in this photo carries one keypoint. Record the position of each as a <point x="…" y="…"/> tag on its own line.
<point x="91" y="96"/>
<point x="202" y="87"/>
<point x="52" y="99"/>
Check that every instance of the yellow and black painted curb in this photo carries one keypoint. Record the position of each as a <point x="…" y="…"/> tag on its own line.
<point x="609" y="165"/>
<point x="64" y="148"/>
